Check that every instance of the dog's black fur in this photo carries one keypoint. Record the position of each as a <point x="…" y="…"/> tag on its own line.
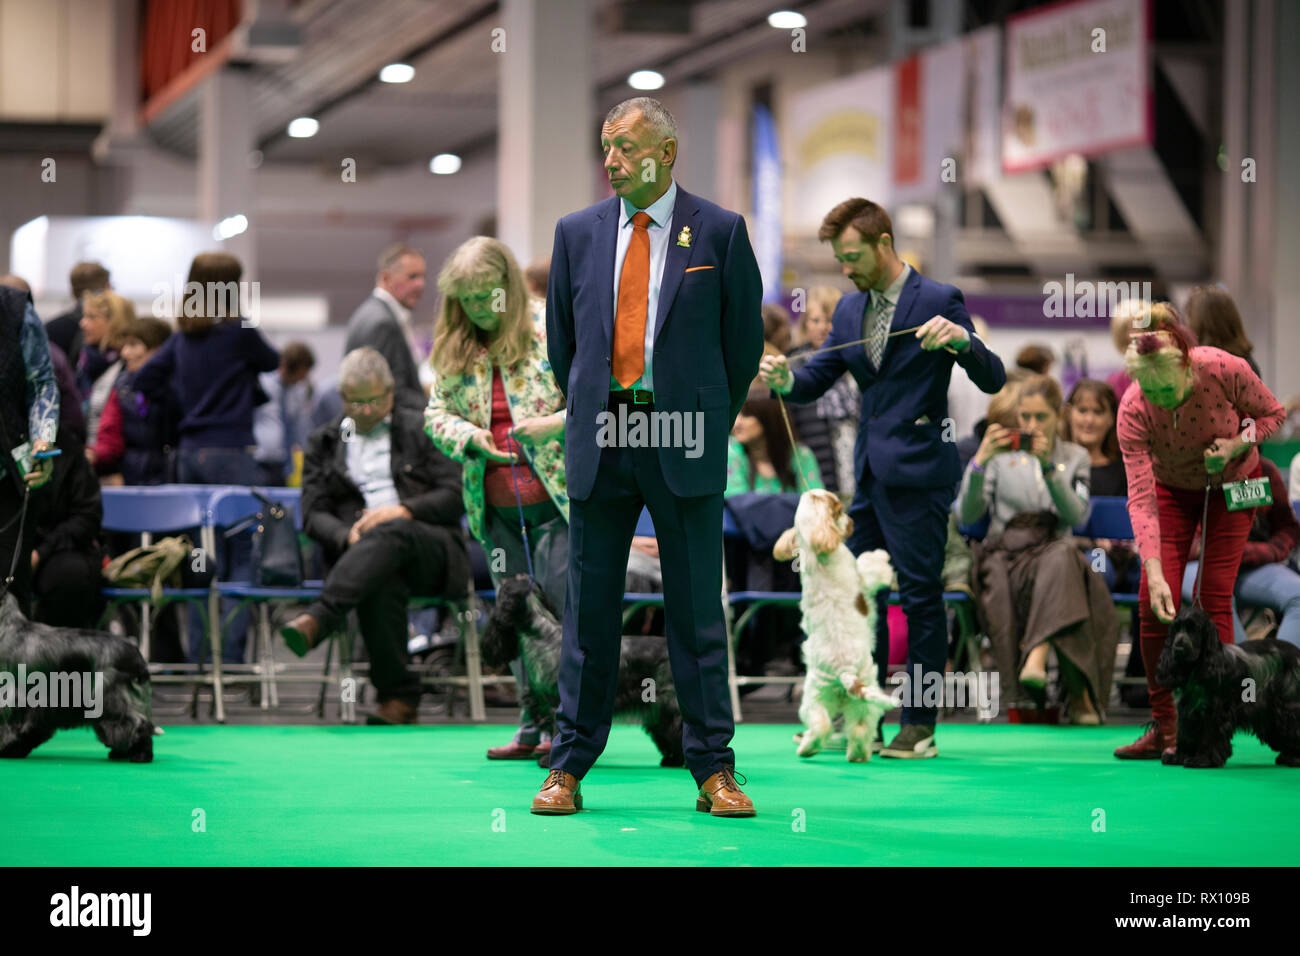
<point x="523" y="624"/>
<point x="1209" y="683"/>
<point x="124" y="725"/>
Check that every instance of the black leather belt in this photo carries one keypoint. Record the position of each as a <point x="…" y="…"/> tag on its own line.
<point x="632" y="396"/>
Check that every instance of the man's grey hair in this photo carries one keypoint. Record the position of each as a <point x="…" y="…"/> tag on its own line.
<point x="391" y="256"/>
<point x="655" y="114"/>
<point x="364" y="365"/>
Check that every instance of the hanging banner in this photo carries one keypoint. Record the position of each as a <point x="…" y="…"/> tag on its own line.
<point x="767" y="203"/>
<point x="1078" y="80"/>
<point x="839" y="145"/>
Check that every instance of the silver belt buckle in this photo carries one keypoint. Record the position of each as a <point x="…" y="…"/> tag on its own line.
<point x="636" y="396"/>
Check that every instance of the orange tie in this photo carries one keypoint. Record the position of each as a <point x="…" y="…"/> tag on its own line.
<point x="633" y="294"/>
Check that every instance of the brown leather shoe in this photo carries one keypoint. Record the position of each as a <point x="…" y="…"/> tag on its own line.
<point x="560" y="794"/>
<point x="392" y="711"/>
<point x="301" y="634"/>
<point x="1159" y="737"/>
<point x="515" y="751"/>
<point x="721" y="796"/>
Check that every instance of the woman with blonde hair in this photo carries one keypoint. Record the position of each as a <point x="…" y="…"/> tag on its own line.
<point x="1189" y="429"/>
<point x="105" y="319"/>
<point x="494" y="406"/>
<point x="1035" y="588"/>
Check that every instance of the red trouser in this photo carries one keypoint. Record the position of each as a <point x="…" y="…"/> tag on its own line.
<point x="1180" y="515"/>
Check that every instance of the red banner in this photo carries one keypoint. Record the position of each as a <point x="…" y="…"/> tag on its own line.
<point x="907" y="121"/>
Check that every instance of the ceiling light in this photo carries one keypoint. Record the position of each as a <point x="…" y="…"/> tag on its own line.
<point x="303" y="127"/>
<point x="444" y="164"/>
<point x="397" y="73"/>
<point x="786" y="20"/>
<point x="645" y="80"/>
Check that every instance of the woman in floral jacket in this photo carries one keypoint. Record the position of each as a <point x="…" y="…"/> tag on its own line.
<point x="495" y="407"/>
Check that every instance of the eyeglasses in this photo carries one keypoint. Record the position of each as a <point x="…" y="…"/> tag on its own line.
<point x="366" y="402"/>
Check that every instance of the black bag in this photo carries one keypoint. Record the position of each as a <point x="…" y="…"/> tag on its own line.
<point x="276" y="559"/>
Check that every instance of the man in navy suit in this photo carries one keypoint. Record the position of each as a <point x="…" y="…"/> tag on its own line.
<point x="907" y="467"/>
<point x="652" y="316"/>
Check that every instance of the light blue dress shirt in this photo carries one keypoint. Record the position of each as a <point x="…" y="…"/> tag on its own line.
<point x="659" y="230"/>
<point x="370" y="465"/>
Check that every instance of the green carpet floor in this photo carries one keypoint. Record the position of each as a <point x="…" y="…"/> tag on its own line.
<point x="996" y="795"/>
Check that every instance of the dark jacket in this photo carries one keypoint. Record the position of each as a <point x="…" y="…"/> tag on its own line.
<point x="65" y="332"/>
<point x="71" y="415"/>
<point x="149" y="431"/>
<point x="708" y="335"/>
<point x="214" y="375"/>
<point x="428" y="483"/>
<point x="904" y="403"/>
<point x="66" y="511"/>
<point x="375" y="325"/>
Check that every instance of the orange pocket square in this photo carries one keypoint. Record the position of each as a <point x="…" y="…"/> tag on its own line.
<point x="698" y="268"/>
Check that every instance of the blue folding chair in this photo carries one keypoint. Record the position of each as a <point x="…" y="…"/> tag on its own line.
<point x="228" y="507"/>
<point x="158" y="510"/>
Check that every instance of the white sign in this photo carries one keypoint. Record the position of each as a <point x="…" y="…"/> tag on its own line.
<point x="838" y="145"/>
<point x="1078" y="81"/>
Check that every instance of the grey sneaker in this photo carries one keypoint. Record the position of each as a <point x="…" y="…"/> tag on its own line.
<point x="914" y="742"/>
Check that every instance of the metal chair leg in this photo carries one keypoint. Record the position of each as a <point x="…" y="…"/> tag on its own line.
<point x="214" y="631"/>
<point x="473" y="662"/>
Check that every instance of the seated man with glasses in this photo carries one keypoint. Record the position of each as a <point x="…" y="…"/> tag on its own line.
<point x="385" y="505"/>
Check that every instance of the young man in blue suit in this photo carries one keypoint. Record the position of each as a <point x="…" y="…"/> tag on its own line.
<point x="907" y="469"/>
<point x="652" y="314"/>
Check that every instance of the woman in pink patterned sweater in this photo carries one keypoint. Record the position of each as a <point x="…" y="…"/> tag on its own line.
<point x="1194" y="420"/>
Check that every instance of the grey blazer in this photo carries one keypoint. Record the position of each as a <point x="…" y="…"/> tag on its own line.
<point x="374" y="324"/>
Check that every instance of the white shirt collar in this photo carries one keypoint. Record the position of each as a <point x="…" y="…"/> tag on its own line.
<point x="402" y="312"/>
<point x="661" y="210"/>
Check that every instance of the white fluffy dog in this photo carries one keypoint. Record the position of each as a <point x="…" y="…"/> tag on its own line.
<point x="839" y="619"/>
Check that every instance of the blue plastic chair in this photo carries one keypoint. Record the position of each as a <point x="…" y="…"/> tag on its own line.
<point x="158" y="510"/>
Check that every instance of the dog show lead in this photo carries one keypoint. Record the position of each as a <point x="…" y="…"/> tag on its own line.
<point x="1196" y="416"/>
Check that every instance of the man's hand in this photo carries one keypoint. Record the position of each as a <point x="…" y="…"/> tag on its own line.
<point x="42" y="468"/>
<point x="536" y="431"/>
<point x="775" y="372"/>
<point x="371" y="519"/>
<point x="481" y="443"/>
<point x="940" y="333"/>
<point x="36" y="559"/>
<point x="1222" y="451"/>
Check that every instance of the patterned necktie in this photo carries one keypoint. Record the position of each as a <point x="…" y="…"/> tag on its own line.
<point x="879" y="328"/>
<point x="633" y="296"/>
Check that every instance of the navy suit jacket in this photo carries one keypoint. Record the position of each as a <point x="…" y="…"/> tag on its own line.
<point x="708" y="335"/>
<point x="894" y="444"/>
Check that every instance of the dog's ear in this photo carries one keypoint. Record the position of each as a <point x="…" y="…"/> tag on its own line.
<point x="826" y="535"/>
<point x="785" y="546"/>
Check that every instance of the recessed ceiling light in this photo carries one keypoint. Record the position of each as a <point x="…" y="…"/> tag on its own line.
<point x="645" y="80"/>
<point x="397" y="73"/>
<point x="230" y="227"/>
<point x="786" y="20"/>
<point x="444" y="164"/>
<point x="303" y="127"/>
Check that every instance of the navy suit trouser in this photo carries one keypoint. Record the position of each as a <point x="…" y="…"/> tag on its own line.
<point x="912" y="525"/>
<point x="689" y="533"/>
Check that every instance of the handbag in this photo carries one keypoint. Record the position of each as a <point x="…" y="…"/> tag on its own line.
<point x="276" y="558"/>
<point x="156" y="566"/>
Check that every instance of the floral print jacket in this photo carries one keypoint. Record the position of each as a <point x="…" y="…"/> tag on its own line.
<point x="459" y="405"/>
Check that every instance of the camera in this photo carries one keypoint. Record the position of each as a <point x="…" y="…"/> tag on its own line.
<point x="1021" y="441"/>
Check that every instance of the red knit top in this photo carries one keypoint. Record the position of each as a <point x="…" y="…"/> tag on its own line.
<point x="1169" y="446"/>
<point x="498" y="482"/>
